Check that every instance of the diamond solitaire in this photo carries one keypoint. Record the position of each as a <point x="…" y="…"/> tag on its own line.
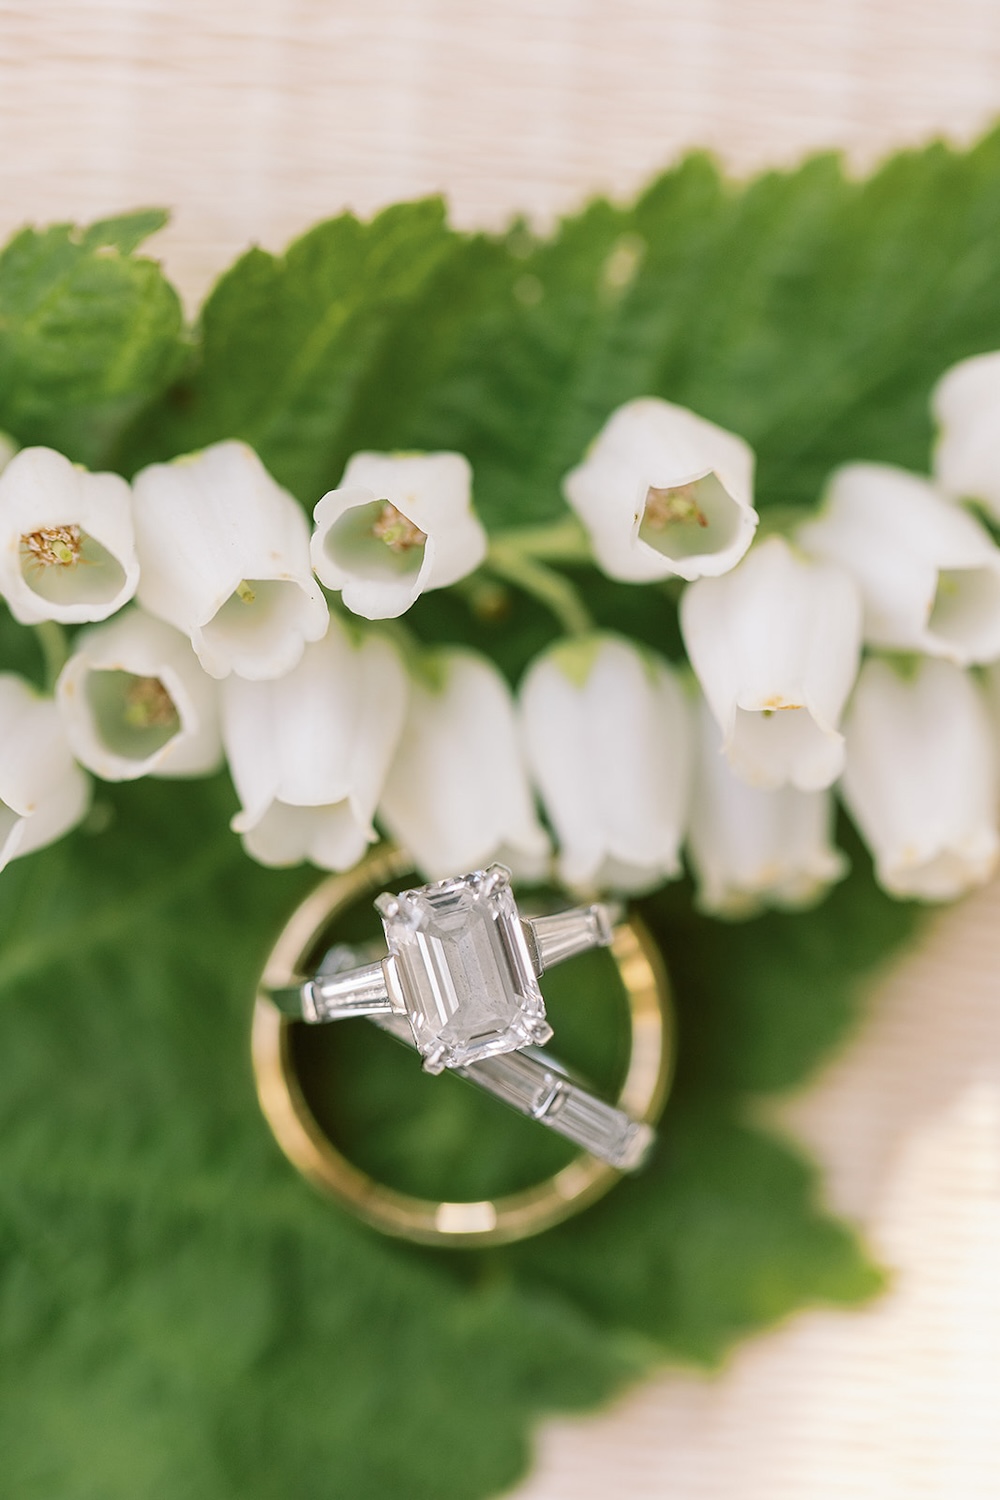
<point x="461" y="970"/>
<point x="460" y="984"/>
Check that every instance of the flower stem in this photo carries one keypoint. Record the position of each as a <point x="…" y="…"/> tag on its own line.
<point x="560" y="541"/>
<point x="508" y="561"/>
<point x="55" y="649"/>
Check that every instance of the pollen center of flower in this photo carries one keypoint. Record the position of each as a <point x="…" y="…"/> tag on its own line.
<point x="53" y="546"/>
<point x="148" y="705"/>
<point x="244" y="592"/>
<point x="676" y="503"/>
<point x="777" y="705"/>
<point x="396" y="530"/>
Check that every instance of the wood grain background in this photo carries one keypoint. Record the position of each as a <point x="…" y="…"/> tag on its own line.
<point x="253" y="118"/>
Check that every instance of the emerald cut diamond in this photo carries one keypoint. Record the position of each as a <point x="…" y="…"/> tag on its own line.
<point x="460" y="969"/>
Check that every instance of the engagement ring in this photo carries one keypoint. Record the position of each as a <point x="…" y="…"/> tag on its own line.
<point x="459" y="984"/>
<point x="462" y="968"/>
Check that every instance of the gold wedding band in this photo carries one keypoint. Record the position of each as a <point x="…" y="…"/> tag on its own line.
<point x="490" y="1221"/>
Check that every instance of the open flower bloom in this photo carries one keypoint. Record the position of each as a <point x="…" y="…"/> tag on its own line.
<point x="966" y="406"/>
<point x="398" y="524"/>
<point x="752" y="847"/>
<point x="929" y="574"/>
<point x="608" y="737"/>
<point x="309" y="751"/>
<point x="457" y="796"/>
<point x="775" y="646"/>
<point x="920" y="780"/>
<point x="663" y="492"/>
<point x="67" y="549"/>
<point x="225" y="558"/>
<point x="136" y="703"/>
<point x="43" y="792"/>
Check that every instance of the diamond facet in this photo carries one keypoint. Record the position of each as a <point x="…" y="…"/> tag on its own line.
<point x="460" y="968"/>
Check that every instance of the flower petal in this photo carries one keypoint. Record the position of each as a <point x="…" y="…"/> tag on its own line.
<point x="775" y="645"/>
<point x="398" y="524"/>
<point x="320" y="739"/>
<point x="225" y="558"/>
<point x="607" y="733"/>
<point x="750" y="847"/>
<point x="966" y="406"/>
<point x="329" y="837"/>
<point x="43" y="793"/>
<point x="457" y="794"/>
<point x="920" y="779"/>
<point x="135" y="701"/>
<point x="664" y="493"/>
<point x="67" y="549"/>
<point x="929" y="574"/>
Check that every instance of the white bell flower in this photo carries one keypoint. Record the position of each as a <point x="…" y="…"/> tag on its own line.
<point x="966" y="407"/>
<point x="607" y="729"/>
<point x="775" y="645"/>
<point x="663" y="493"/>
<point x="309" y="751"/>
<point x="397" y="525"/>
<point x="43" y="792"/>
<point x="225" y="558"/>
<point x="752" y="847"/>
<point x="991" y="685"/>
<point x="67" y="547"/>
<point x="929" y="574"/>
<point x="135" y="701"/>
<point x="457" y="795"/>
<point x="920" y="780"/>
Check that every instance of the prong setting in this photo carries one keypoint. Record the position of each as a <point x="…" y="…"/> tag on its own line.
<point x="461" y="969"/>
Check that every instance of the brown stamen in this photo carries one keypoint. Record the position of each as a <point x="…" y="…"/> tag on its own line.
<point x="53" y="546"/>
<point x="148" y="705"/>
<point x="677" y="503"/>
<point x="396" y="530"/>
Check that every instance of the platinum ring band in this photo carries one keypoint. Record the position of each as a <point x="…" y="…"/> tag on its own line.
<point x="534" y="1084"/>
<point x="369" y="988"/>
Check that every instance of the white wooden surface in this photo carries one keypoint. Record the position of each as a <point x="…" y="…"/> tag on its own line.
<point x="252" y="118"/>
<point x="900" y="1401"/>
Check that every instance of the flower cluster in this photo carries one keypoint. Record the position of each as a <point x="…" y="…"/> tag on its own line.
<point x="845" y="656"/>
<point x="850" y="655"/>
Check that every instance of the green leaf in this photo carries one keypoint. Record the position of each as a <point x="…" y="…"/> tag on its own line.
<point x="126" y="232"/>
<point x="777" y="308"/>
<point x="288" y="343"/>
<point x="20" y="649"/>
<point x="766" y="1000"/>
<point x="723" y="1236"/>
<point x="179" y="1313"/>
<point x="89" y="334"/>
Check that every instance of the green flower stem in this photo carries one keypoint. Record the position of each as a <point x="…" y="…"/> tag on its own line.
<point x="509" y="562"/>
<point x="407" y="643"/>
<point x="55" y="649"/>
<point x="562" y="541"/>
